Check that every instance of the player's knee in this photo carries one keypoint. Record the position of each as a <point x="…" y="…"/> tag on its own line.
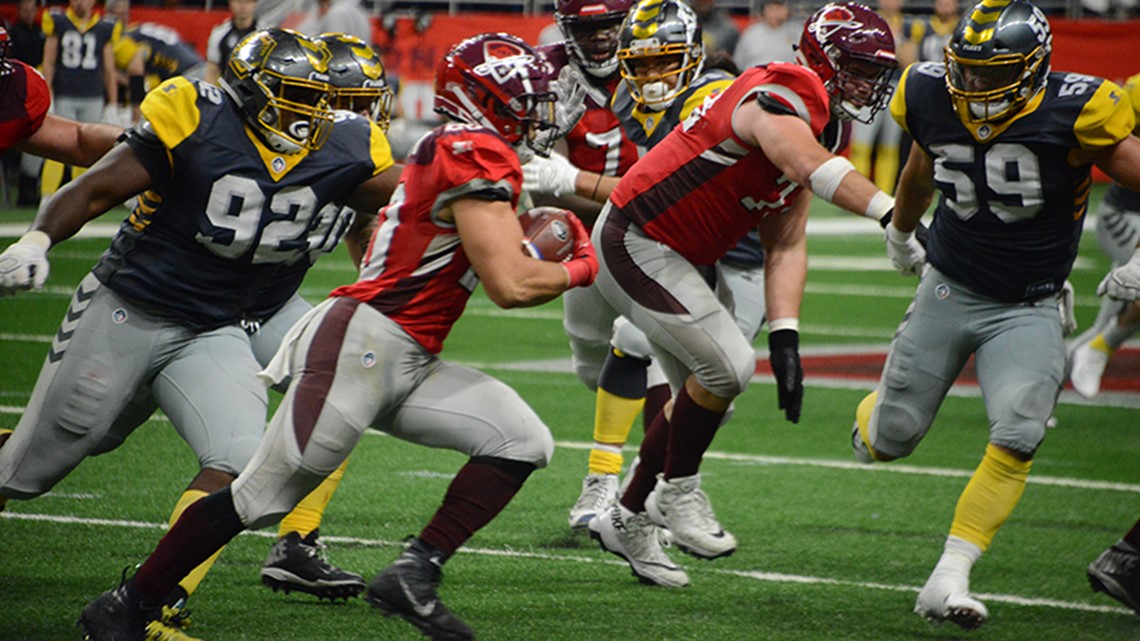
<point x="730" y="377"/>
<point x="1019" y="429"/>
<point x="630" y="340"/>
<point x="536" y="449"/>
<point x="895" y="430"/>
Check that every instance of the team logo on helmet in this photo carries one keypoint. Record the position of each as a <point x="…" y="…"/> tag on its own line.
<point x="833" y="20"/>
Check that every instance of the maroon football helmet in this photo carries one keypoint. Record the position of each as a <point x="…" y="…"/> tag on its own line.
<point x="591" y="28"/>
<point x="852" y="50"/>
<point x="497" y="81"/>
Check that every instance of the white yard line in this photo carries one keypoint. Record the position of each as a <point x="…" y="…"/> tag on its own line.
<point x="755" y="575"/>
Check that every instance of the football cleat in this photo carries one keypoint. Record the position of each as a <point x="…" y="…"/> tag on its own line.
<point x="680" y="506"/>
<point x="116" y="615"/>
<point x="1089" y="361"/>
<point x="296" y="563"/>
<point x="407" y="589"/>
<point x="634" y="538"/>
<point x="159" y="630"/>
<point x="946" y="597"/>
<point x="598" y="492"/>
<point x="1116" y="572"/>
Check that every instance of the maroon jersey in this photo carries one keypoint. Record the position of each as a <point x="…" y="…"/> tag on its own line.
<point x="597" y="143"/>
<point x="416" y="272"/>
<point x="23" y="105"/>
<point x="703" y="188"/>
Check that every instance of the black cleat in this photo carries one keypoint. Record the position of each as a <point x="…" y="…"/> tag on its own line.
<point x="407" y="589"/>
<point x="1116" y="572"/>
<point x="298" y="564"/>
<point x="115" y="616"/>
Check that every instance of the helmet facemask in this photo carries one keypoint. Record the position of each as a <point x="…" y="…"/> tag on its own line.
<point x="357" y="78"/>
<point x="657" y="75"/>
<point x="992" y="90"/>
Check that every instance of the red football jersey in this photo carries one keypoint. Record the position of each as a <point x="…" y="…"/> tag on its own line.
<point x="703" y="188"/>
<point x="23" y="105"/>
<point x="597" y="143"/>
<point x="416" y="271"/>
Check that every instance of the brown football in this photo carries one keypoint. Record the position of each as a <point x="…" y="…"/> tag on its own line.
<point x="547" y="234"/>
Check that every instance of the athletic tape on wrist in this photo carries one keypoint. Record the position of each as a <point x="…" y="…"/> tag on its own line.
<point x="784" y="323"/>
<point x="880" y="204"/>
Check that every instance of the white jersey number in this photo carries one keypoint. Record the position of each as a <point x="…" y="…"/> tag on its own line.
<point x="236" y="207"/>
<point x="1011" y="181"/>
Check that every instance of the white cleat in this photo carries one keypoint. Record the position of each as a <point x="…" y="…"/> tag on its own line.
<point x="946" y="597"/>
<point x="1089" y="361"/>
<point x="681" y="507"/>
<point x="633" y="537"/>
<point x="598" y="492"/>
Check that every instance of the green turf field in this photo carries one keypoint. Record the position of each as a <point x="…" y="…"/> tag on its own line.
<point x="828" y="549"/>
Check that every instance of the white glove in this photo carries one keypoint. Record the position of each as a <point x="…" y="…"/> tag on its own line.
<point x="1065" y="306"/>
<point x="571" y="105"/>
<point x="24" y="264"/>
<point x="905" y="252"/>
<point x="554" y="175"/>
<point x="1122" y="283"/>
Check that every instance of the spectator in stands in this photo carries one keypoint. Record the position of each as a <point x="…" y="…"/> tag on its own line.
<point x="770" y="38"/>
<point x="720" y="32"/>
<point x="79" y="67"/>
<point x="931" y="35"/>
<point x="26" y="44"/>
<point x="337" y="16"/>
<point x="225" y="36"/>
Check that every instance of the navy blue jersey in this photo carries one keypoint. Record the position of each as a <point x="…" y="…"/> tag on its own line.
<point x="229" y="227"/>
<point x="1011" y="205"/>
<point x="647" y="128"/>
<point x="165" y="54"/>
<point x="79" y="65"/>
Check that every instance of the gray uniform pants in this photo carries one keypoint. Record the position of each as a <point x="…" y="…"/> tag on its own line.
<point x="354" y="368"/>
<point x="1018" y="352"/>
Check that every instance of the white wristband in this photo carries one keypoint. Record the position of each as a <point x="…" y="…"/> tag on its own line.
<point x="784" y="323"/>
<point x="826" y="177"/>
<point x="880" y="204"/>
<point x="896" y="235"/>
<point x="37" y="238"/>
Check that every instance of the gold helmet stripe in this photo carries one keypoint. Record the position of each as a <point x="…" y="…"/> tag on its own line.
<point x="980" y="28"/>
<point x="644" y="25"/>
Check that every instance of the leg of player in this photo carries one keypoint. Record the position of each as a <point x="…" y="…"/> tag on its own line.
<point x="1090" y="359"/>
<point x="620" y="398"/>
<point x="297" y="559"/>
<point x="1116" y="572"/>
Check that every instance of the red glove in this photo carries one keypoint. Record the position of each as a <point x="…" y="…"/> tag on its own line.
<point x="583" y="266"/>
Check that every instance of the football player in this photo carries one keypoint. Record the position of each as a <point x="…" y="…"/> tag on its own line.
<point x="1009" y="145"/>
<point x="295" y="562"/>
<point x="149" y="53"/>
<point x="667" y="77"/>
<point x="368" y="356"/>
<point x="202" y="277"/>
<point x="739" y="162"/>
<point x="1118" y="233"/>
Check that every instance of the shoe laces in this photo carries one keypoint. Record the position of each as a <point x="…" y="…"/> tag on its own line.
<point x="314" y="547"/>
<point x="160" y="631"/>
<point x="595" y="493"/>
<point x="641" y="538"/>
<point x="1119" y="561"/>
<point x="693" y="507"/>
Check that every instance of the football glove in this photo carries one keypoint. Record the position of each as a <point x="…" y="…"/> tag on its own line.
<point x="784" y="356"/>
<point x="906" y="253"/>
<point x="921" y="232"/>
<point x="24" y="264"/>
<point x="571" y="103"/>
<point x="582" y="268"/>
<point x="1122" y="283"/>
<point x="554" y="175"/>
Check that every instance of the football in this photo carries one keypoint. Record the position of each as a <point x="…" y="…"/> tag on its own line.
<point x="547" y="234"/>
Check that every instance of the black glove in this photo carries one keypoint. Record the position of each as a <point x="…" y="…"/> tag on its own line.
<point x="921" y="232"/>
<point x="784" y="355"/>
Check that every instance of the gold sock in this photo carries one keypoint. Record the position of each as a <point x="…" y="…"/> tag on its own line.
<point x="190" y="581"/>
<point x="989" y="497"/>
<point x="863" y="420"/>
<point x="1101" y="345"/>
<point x="613" y="419"/>
<point x="307" y="516"/>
